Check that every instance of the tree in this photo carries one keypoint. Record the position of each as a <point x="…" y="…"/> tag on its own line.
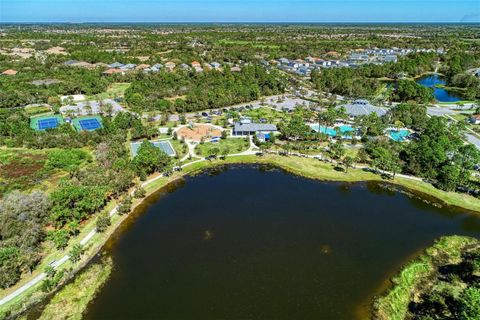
<point x="59" y="238"/>
<point x="336" y="150"/>
<point x="76" y="253"/>
<point x="213" y="151"/>
<point x="139" y="193"/>
<point x="125" y="206"/>
<point x="348" y="162"/>
<point x="150" y="159"/>
<point x="470" y="303"/>
<point x="103" y="222"/>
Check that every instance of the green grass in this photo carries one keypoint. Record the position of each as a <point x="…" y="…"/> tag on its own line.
<point x="180" y="148"/>
<point x="270" y="115"/>
<point x="234" y="145"/>
<point x="72" y="300"/>
<point x="394" y="305"/>
<point x="115" y="90"/>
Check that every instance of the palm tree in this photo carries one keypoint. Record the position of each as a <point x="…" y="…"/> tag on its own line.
<point x="348" y="162"/>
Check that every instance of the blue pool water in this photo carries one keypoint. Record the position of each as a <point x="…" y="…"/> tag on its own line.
<point x="331" y="131"/>
<point x="441" y="95"/>
<point x="399" y="135"/>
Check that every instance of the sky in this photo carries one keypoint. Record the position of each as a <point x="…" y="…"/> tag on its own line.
<point x="239" y="11"/>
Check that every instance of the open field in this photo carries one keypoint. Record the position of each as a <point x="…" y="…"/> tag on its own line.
<point x="224" y="146"/>
<point x="115" y="90"/>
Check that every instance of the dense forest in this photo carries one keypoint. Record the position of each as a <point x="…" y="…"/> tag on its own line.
<point x="200" y="91"/>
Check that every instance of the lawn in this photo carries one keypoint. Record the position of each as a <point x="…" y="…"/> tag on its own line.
<point x="115" y="90"/>
<point x="270" y="115"/>
<point x="180" y="148"/>
<point x="232" y="145"/>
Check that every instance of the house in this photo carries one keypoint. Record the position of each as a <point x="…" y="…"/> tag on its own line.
<point x="196" y="64"/>
<point x="185" y="66"/>
<point x="362" y="107"/>
<point x="358" y="57"/>
<point x="170" y="65"/>
<point x="293" y="65"/>
<point x="236" y="69"/>
<point x="113" y="71"/>
<point x="477" y="73"/>
<point x="198" y="69"/>
<point x="265" y="63"/>
<point x="70" y="62"/>
<point x="284" y="61"/>
<point x="9" y="72"/>
<point x="142" y="66"/>
<point x="129" y="66"/>
<point x="245" y="128"/>
<point x="390" y="58"/>
<point x="475" y="119"/>
<point x="215" y="65"/>
<point x="116" y="65"/>
<point x="333" y="54"/>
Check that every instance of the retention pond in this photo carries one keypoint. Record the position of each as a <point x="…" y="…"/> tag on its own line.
<point x="250" y="242"/>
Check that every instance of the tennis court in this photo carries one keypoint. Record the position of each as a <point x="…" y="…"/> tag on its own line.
<point x="165" y="146"/>
<point x="45" y="122"/>
<point x="87" y="123"/>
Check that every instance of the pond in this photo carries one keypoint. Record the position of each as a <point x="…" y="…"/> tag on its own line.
<point x="441" y="95"/>
<point x="252" y="242"/>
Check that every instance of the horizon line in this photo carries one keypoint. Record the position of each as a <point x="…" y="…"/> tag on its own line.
<point x="240" y="22"/>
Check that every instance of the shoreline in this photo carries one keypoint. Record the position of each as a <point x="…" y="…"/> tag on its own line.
<point x="303" y="167"/>
<point x="393" y="302"/>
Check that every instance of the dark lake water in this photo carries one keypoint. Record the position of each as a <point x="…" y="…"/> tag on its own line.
<point x="441" y="95"/>
<point x="249" y="243"/>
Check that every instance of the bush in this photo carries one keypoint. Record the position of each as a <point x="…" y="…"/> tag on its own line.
<point x="103" y="222"/>
<point x="125" y="206"/>
<point x="139" y="193"/>
<point x="68" y="159"/>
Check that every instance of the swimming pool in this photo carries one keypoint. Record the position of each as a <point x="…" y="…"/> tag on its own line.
<point x="399" y="135"/>
<point x="332" y="132"/>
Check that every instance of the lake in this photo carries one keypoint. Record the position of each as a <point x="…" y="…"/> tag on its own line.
<point x="252" y="242"/>
<point x="440" y="94"/>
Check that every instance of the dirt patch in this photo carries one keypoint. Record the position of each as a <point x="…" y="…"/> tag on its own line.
<point x="197" y="132"/>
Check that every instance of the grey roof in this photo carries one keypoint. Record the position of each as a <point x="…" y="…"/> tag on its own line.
<point x="69" y="62"/>
<point x="253" y="127"/>
<point x="362" y="108"/>
<point x="115" y="65"/>
<point x="128" y="66"/>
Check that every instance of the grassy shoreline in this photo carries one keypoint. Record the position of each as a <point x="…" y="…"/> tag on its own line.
<point x="304" y="167"/>
<point x="393" y="305"/>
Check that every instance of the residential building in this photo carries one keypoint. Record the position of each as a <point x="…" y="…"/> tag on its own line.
<point x="9" y="72"/>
